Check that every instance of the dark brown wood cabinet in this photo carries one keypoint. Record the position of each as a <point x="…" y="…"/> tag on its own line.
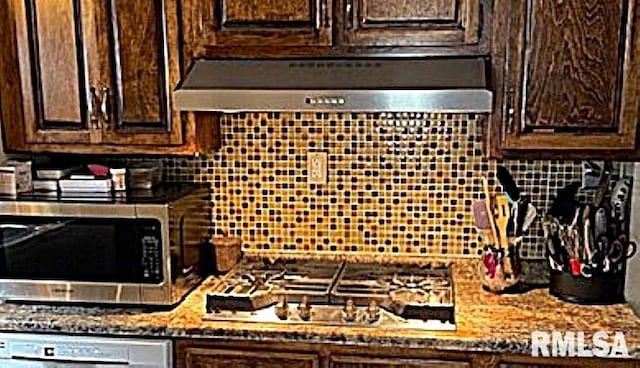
<point x="52" y="41"/>
<point x="197" y="353"/>
<point x="218" y="358"/>
<point x="91" y="77"/>
<point x="220" y="24"/>
<point x="567" y="363"/>
<point x="567" y="77"/>
<point x="333" y="28"/>
<point x="410" y="23"/>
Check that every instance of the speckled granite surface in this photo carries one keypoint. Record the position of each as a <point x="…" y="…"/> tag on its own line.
<point x="485" y="322"/>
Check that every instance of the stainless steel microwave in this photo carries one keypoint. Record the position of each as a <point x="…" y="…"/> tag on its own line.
<point x="143" y="248"/>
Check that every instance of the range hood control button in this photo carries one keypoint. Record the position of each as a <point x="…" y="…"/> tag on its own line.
<point x="332" y="101"/>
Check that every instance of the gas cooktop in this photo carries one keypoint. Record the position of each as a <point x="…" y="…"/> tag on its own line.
<point x="364" y="295"/>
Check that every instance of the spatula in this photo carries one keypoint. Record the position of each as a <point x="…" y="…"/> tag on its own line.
<point x="502" y="220"/>
<point x="487" y="202"/>
<point x="508" y="184"/>
<point x="481" y="219"/>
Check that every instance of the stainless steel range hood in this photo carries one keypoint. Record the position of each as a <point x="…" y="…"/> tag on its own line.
<point x="371" y="85"/>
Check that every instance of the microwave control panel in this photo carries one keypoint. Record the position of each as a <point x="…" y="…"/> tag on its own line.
<point x="151" y="245"/>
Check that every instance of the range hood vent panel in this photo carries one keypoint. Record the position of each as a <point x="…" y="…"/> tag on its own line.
<point x="434" y="85"/>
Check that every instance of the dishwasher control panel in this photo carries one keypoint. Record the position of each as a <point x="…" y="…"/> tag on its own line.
<point x="69" y="351"/>
<point x="87" y="349"/>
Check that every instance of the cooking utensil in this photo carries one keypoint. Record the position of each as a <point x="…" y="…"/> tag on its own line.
<point x="523" y="207"/>
<point x="601" y="222"/>
<point x="502" y="205"/>
<point x="603" y="185"/>
<point x="619" y="202"/>
<point x="591" y="173"/>
<point x="508" y="184"/>
<point x="481" y="219"/>
<point x="621" y="249"/>
<point x="530" y="215"/>
<point x="512" y="225"/>
<point x="488" y="204"/>
<point x="587" y="238"/>
<point x="564" y="206"/>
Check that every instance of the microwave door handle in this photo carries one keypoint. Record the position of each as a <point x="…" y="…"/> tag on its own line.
<point x="185" y="269"/>
<point x="181" y="240"/>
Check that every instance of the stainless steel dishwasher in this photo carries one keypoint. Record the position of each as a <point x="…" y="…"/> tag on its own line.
<point x="61" y="351"/>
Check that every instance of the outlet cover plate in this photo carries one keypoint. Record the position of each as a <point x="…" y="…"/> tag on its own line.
<point x="317" y="167"/>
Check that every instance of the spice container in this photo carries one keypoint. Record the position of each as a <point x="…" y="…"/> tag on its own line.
<point x="144" y="175"/>
<point x="15" y="177"/>
<point x="119" y="179"/>
<point x="228" y="252"/>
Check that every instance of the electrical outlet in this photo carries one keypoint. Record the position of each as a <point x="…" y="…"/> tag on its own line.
<point x="317" y="167"/>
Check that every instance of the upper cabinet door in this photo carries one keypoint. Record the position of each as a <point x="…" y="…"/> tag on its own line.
<point x="56" y="44"/>
<point x="567" y="75"/>
<point x="410" y="22"/>
<point x="139" y="72"/>
<point x="247" y="23"/>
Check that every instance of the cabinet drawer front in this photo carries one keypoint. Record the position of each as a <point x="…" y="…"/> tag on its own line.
<point x="411" y="22"/>
<point x="417" y="11"/>
<point x="368" y="362"/>
<point x="267" y="12"/>
<point x="219" y="358"/>
<point x="228" y="24"/>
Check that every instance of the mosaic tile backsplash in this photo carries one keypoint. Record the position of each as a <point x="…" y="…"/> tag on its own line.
<point x="397" y="184"/>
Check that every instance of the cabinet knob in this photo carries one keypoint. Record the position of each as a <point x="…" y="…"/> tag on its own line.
<point x="325" y="13"/>
<point x="304" y="309"/>
<point x="94" y="102"/>
<point x="282" y="308"/>
<point x="350" y="312"/>
<point x="510" y="110"/>
<point x="348" y="11"/>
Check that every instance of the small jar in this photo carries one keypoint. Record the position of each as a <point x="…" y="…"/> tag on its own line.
<point x="119" y="179"/>
<point x="228" y="250"/>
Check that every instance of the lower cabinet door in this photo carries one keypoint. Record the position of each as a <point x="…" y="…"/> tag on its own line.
<point x="222" y="358"/>
<point x="368" y="362"/>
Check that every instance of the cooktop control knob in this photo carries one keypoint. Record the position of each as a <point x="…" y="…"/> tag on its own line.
<point x="304" y="309"/>
<point x="282" y="308"/>
<point x="373" y="311"/>
<point x="350" y="312"/>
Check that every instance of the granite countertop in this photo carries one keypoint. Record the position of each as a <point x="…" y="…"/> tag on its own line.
<point x="485" y="322"/>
